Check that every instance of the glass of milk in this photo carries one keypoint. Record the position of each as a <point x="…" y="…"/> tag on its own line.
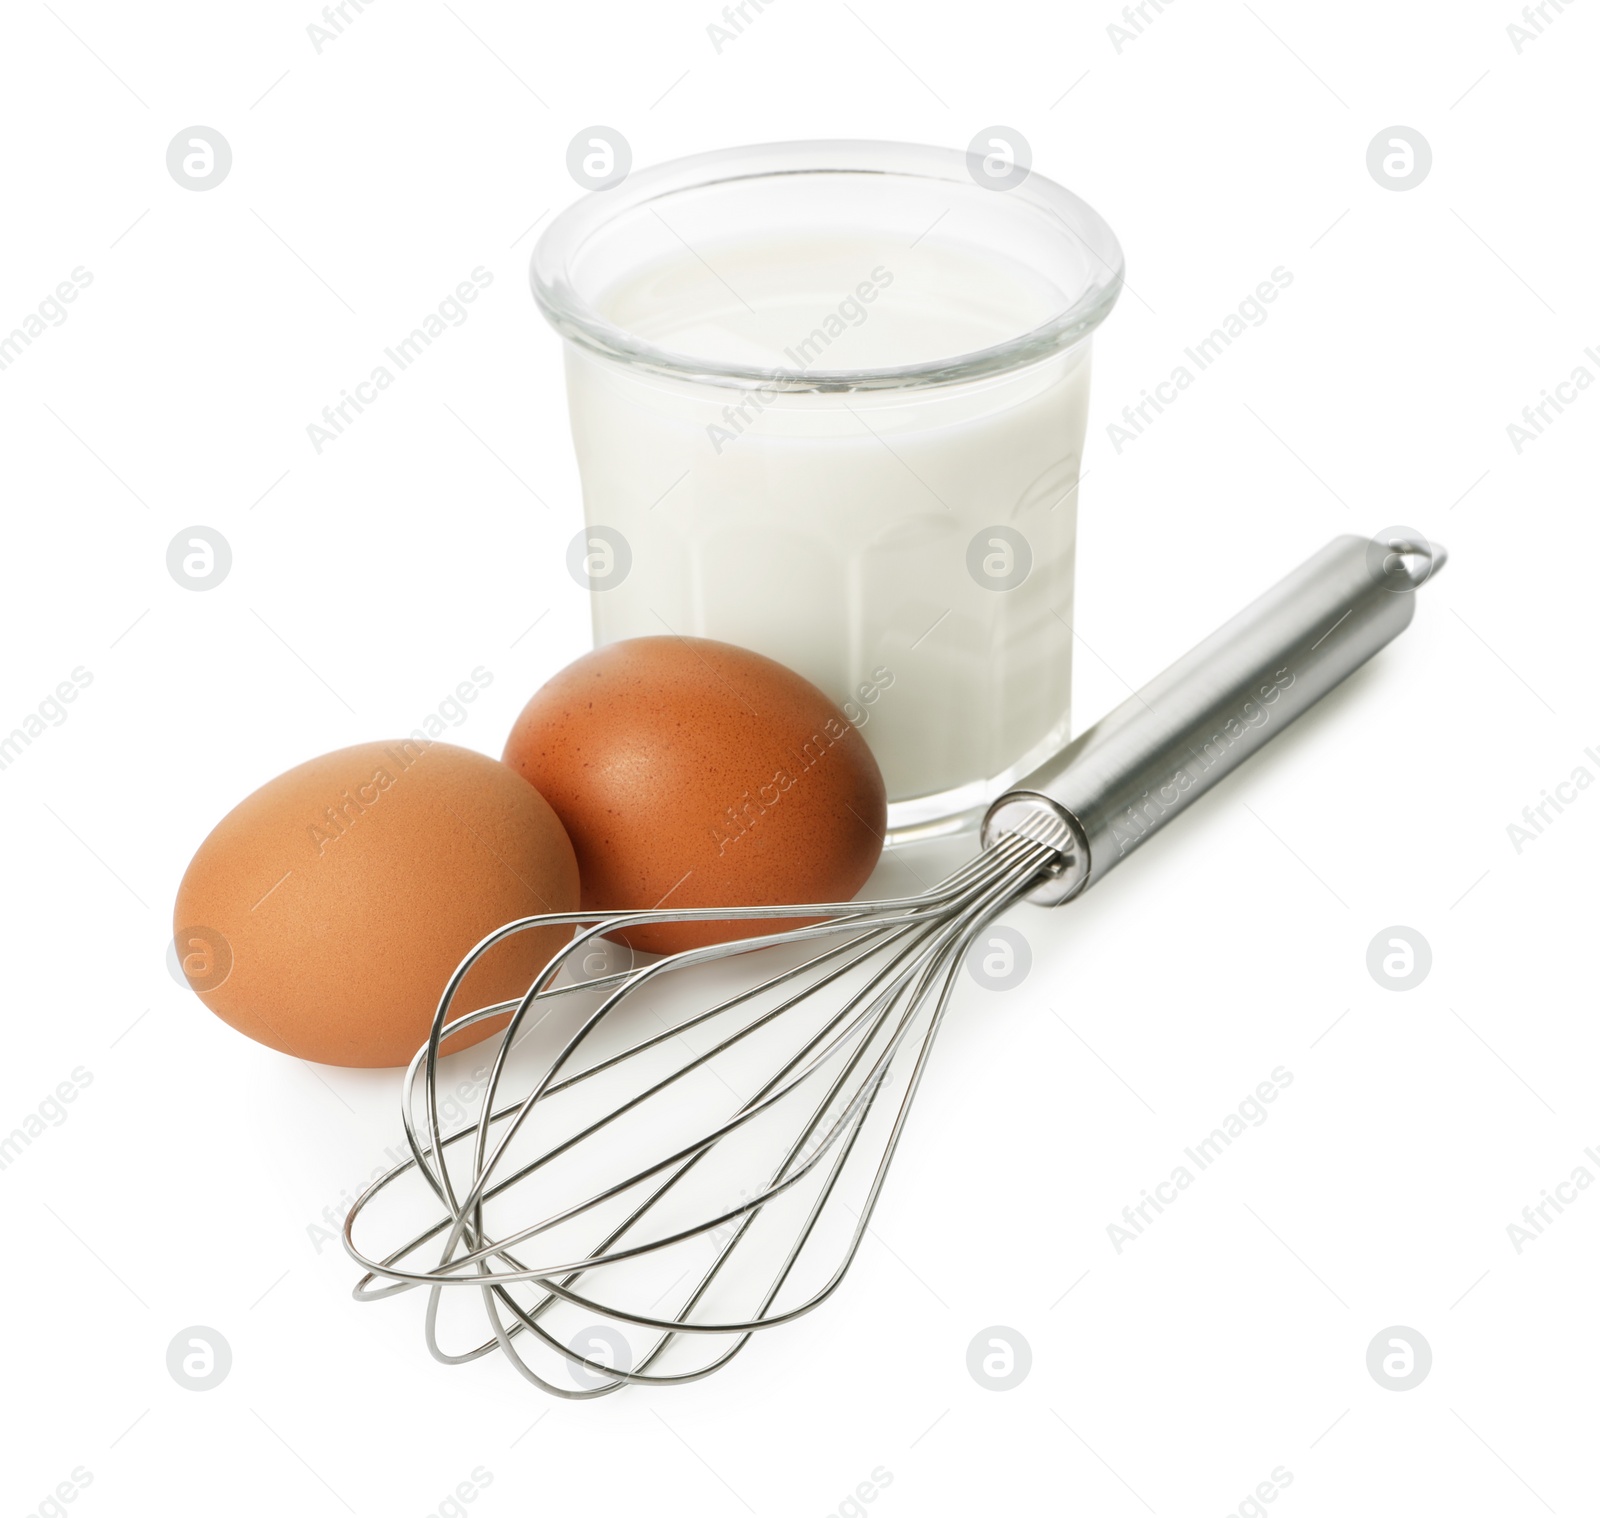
<point x="829" y="403"/>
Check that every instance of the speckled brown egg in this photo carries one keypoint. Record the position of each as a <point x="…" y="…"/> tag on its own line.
<point x="691" y="773"/>
<point x="325" y="913"/>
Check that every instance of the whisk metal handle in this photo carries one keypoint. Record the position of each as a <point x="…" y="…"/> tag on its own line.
<point x="1139" y="766"/>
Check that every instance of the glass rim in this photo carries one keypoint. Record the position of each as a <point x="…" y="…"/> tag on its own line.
<point x="577" y="320"/>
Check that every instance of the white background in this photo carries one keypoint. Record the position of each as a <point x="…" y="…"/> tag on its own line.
<point x="1227" y="1341"/>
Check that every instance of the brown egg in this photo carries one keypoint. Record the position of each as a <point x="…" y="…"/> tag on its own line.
<point x="325" y="913"/>
<point x="691" y="773"/>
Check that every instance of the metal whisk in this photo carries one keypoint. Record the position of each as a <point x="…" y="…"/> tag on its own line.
<point x="756" y="1188"/>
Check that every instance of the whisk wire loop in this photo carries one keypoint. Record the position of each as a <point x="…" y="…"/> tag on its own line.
<point x="892" y="972"/>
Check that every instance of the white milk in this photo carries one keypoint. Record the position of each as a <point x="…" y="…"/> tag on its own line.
<point x="834" y="531"/>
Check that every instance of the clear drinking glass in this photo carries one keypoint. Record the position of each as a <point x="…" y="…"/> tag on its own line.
<point x="829" y="402"/>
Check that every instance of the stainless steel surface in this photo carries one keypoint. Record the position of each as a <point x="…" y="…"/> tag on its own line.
<point x="1131" y="773"/>
<point x="746" y="1210"/>
<point x="762" y="1085"/>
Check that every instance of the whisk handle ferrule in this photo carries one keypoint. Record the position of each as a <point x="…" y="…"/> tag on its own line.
<point x="1139" y="766"/>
